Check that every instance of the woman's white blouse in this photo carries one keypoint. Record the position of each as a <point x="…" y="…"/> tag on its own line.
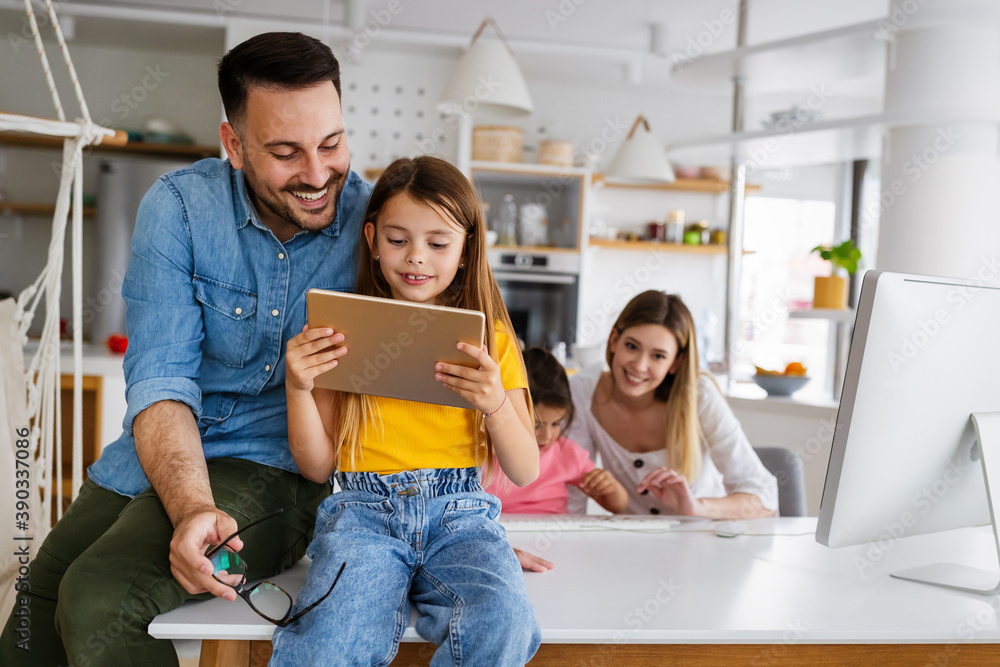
<point x="729" y="464"/>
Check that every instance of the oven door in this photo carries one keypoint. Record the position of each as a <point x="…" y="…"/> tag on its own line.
<point x="542" y="305"/>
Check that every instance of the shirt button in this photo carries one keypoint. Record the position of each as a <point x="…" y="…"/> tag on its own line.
<point x="638" y="463"/>
<point x="281" y="255"/>
<point x="239" y="311"/>
<point x="653" y="510"/>
<point x="268" y="368"/>
<point x="275" y="312"/>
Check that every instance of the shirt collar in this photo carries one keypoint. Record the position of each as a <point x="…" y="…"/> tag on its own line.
<point x="247" y="212"/>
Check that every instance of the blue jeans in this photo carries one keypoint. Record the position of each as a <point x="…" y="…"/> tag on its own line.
<point x="426" y="536"/>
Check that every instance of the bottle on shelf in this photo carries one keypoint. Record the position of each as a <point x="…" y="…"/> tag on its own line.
<point x="506" y="224"/>
<point x="674" y="232"/>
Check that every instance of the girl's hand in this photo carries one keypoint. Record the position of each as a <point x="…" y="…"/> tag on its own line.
<point x="479" y="386"/>
<point x="307" y="356"/>
<point x="671" y="488"/>
<point x="531" y="562"/>
<point x="597" y="483"/>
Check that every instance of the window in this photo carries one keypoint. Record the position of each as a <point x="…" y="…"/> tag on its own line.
<point x="778" y="277"/>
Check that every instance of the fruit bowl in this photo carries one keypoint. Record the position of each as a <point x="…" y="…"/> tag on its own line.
<point x="780" y="385"/>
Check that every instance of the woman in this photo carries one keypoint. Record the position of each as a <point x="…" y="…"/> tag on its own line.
<point x="662" y="428"/>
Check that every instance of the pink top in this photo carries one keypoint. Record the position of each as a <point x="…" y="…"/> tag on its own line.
<point x="561" y="463"/>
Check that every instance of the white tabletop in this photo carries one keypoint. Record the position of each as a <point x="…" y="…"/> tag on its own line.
<point x="773" y="584"/>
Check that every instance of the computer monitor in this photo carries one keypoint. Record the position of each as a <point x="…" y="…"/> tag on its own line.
<point x="921" y="394"/>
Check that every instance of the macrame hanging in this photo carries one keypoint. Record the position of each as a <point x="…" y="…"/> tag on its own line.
<point x="30" y="439"/>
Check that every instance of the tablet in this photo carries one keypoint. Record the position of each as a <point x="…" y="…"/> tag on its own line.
<point x="393" y="345"/>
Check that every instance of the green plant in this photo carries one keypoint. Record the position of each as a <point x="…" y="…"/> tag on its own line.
<point x="846" y="256"/>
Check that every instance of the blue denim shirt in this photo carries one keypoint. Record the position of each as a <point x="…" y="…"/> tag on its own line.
<point x="212" y="299"/>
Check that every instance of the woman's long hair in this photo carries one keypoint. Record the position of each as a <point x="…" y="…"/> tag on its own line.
<point x="436" y="183"/>
<point x="679" y="390"/>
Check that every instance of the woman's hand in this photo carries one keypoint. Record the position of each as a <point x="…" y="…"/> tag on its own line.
<point x="671" y="488"/>
<point x="479" y="386"/>
<point x="308" y="356"/>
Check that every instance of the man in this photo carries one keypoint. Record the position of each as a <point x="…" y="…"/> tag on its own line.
<point x="222" y="255"/>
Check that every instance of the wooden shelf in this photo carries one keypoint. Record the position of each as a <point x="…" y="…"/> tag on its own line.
<point x="37" y="210"/>
<point x="529" y="169"/>
<point x="531" y="248"/>
<point x="135" y="148"/>
<point x="704" y="185"/>
<point x="654" y="246"/>
<point x="660" y="247"/>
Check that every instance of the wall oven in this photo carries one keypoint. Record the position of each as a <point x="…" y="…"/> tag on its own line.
<point x="541" y="291"/>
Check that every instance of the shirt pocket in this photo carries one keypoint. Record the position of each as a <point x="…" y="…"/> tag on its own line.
<point x="228" y="316"/>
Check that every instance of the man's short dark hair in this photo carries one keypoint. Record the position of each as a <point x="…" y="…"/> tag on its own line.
<point x="273" y="60"/>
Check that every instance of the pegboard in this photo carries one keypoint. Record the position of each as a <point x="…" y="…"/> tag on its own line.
<point x="390" y="109"/>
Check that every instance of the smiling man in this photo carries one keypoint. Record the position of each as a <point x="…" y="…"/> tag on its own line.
<point x="222" y="255"/>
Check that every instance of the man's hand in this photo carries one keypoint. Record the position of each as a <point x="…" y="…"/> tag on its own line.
<point x="192" y="537"/>
<point x="531" y="562"/>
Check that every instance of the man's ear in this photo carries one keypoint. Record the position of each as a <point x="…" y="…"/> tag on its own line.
<point x="232" y="144"/>
<point x="370" y="236"/>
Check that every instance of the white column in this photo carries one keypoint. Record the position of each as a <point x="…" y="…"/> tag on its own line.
<point x="941" y="176"/>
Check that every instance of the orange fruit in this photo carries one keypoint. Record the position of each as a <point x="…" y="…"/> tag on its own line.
<point x="795" y="368"/>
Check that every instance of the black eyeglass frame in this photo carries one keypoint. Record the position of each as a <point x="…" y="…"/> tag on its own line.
<point x="245" y="593"/>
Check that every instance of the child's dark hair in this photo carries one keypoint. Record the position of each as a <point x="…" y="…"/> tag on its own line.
<point x="548" y="383"/>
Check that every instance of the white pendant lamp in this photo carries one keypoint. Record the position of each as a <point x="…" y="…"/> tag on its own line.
<point x="487" y="79"/>
<point x="641" y="159"/>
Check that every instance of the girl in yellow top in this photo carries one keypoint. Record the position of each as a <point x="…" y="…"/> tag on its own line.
<point x="412" y="522"/>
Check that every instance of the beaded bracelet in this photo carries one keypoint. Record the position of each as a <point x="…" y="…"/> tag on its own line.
<point x="490" y="414"/>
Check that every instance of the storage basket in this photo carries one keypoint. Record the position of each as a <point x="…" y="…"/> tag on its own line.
<point x="497" y="143"/>
<point x="555" y="152"/>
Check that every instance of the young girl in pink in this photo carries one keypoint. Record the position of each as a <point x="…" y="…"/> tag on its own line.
<point x="562" y="461"/>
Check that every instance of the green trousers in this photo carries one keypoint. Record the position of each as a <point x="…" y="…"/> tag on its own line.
<point x="103" y="572"/>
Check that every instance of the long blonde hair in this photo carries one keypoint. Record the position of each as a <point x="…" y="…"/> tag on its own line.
<point x="679" y="390"/>
<point x="434" y="182"/>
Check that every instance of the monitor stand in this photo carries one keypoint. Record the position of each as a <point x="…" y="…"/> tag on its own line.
<point x="962" y="577"/>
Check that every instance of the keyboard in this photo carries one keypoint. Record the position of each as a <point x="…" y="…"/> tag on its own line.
<point x="525" y="523"/>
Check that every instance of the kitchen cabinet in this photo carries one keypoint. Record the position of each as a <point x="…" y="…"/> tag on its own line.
<point x="104" y="407"/>
<point x="540" y="284"/>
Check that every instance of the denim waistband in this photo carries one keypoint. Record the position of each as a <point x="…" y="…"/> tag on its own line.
<point x="426" y="481"/>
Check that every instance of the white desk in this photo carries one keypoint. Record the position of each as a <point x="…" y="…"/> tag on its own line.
<point x="775" y="599"/>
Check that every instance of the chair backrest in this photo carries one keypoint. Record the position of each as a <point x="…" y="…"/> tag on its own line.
<point x="787" y="467"/>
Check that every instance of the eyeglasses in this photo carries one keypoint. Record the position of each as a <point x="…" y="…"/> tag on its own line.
<point x="269" y="600"/>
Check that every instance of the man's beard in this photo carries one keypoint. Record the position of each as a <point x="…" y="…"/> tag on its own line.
<point x="281" y="207"/>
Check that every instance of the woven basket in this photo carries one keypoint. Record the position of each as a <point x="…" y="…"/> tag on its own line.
<point x="559" y="153"/>
<point x="497" y="143"/>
